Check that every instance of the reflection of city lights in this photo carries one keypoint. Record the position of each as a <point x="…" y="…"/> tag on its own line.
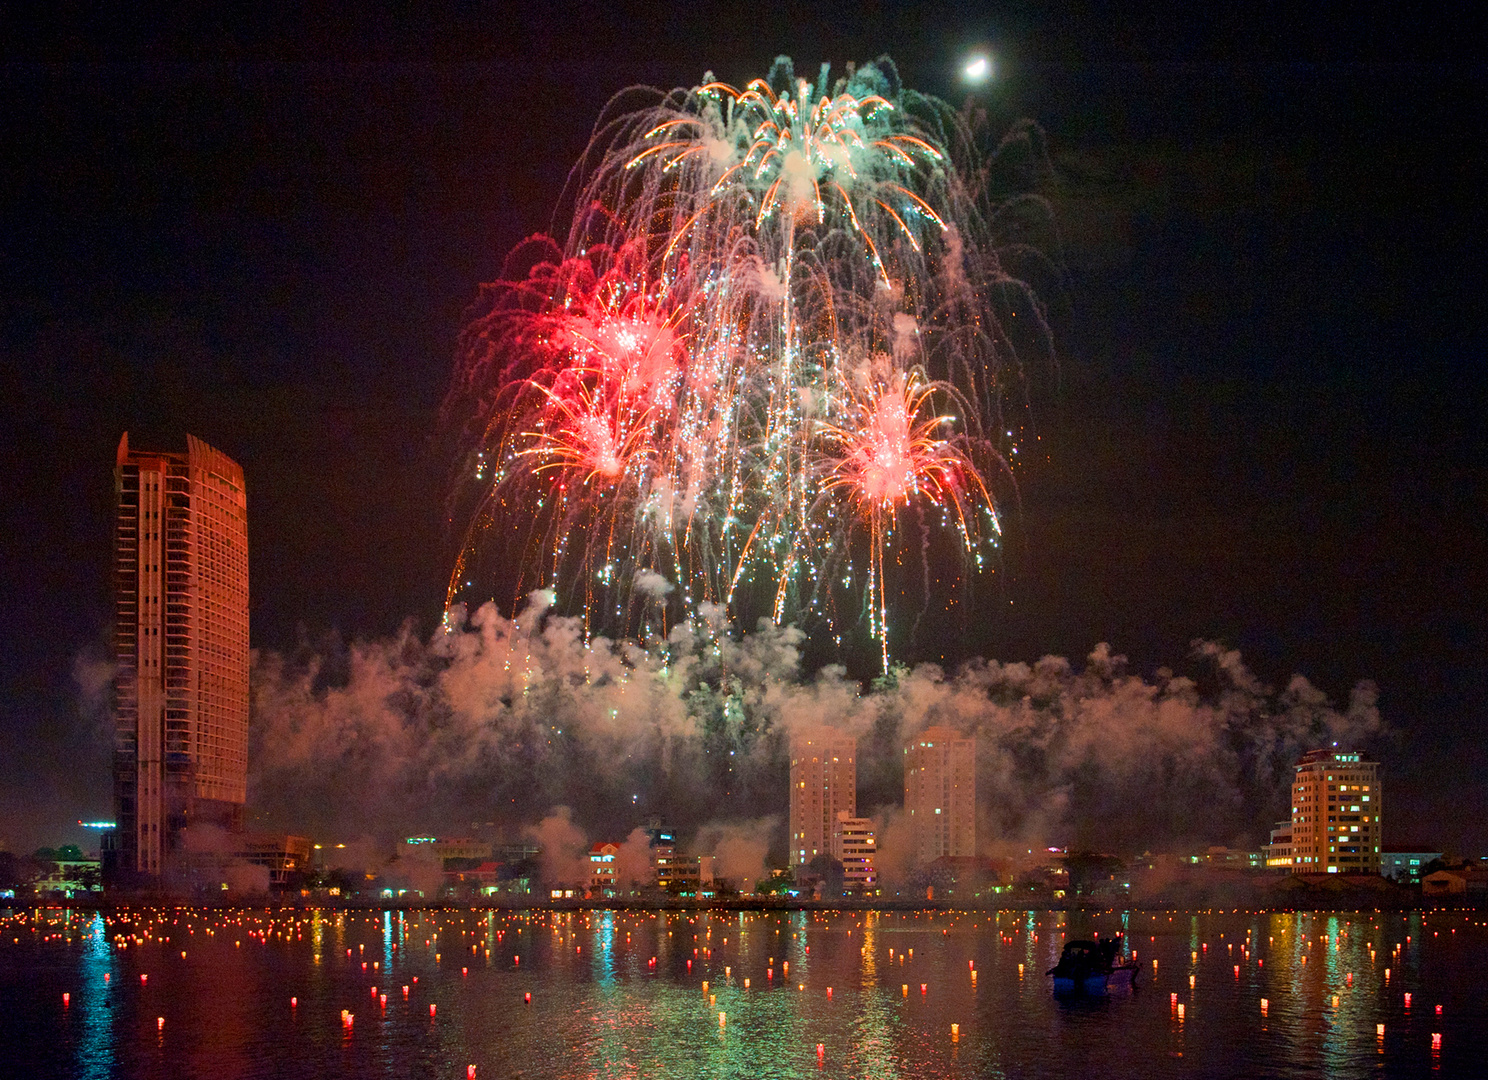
<point x="978" y="69"/>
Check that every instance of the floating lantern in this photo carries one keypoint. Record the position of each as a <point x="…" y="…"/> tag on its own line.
<point x="1020" y="971"/>
<point x="1180" y="1010"/>
<point x="160" y="1024"/>
<point x="1335" y="1001"/>
<point x="382" y="1000"/>
<point x="746" y="984"/>
<point x="294" y="1003"/>
<point x="906" y="989"/>
<point x="527" y="998"/>
<point x="1190" y="982"/>
<point x="1438" y="1010"/>
<point x="432" y="1007"/>
<point x="1379" y="1030"/>
<point x="1407" y="1001"/>
<point x="66" y="999"/>
<point x="144" y="979"/>
<point x="469" y="1072"/>
<point x="829" y="993"/>
<point x="923" y="987"/>
<point x="1436" y="1040"/>
<point x="722" y="1019"/>
<point x="955" y="1031"/>
<point x="1172" y="999"/>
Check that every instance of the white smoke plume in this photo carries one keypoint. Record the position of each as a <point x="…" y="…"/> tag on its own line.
<point x="740" y="849"/>
<point x="504" y="720"/>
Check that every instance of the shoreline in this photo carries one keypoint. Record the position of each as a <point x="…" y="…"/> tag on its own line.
<point x="743" y="904"/>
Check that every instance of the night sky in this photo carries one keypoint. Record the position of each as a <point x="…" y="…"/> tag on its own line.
<point x="1265" y="427"/>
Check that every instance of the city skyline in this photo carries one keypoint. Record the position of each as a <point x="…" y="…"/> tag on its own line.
<point x="1261" y="430"/>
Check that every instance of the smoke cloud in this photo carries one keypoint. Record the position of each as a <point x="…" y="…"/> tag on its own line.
<point x="521" y="723"/>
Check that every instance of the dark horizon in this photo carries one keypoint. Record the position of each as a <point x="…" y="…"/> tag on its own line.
<point x="1264" y="428"/>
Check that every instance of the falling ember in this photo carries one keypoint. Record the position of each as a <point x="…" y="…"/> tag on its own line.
<point x="775" y="326"/>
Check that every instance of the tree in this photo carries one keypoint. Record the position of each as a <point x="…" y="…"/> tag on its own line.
<point x="779" y="881"/>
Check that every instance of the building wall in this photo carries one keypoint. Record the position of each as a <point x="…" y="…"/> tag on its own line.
<point x="1336" y="814"/>
<point x="940" y="793"/>
<point x="1406" y="866"/>
<point x="824" y="783"/>
<point x="1279" y="851"/>
<point x="855" y="847"/>
<point x="181" y="647"/>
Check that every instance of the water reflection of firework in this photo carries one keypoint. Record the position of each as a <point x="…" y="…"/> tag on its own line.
<point x="776" y="323"/>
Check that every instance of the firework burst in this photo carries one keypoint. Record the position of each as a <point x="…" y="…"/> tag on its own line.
<point x="775" y="327"/>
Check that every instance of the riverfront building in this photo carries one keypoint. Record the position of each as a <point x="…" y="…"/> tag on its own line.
<point x="1336" y="814"/>
<point x="940" y="793"/>
<point x="854" y="846"/>
<point x="180" y="693"/>
<point x="824" y="783"/>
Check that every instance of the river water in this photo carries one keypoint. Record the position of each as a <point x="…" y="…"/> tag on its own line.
<point x="185" y="993"/>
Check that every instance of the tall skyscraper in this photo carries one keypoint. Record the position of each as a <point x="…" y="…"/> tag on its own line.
<point x="824" y="782"/>
<point x="181" y="649"/>
<point x="1336" y="814"/>
<point x="940" y="793"/>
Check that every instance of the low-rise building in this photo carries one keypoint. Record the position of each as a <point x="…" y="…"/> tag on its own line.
<point x="1406" y="864"/>
<point x="1455" y="881"/>
<point x="463" y="847"/>
<point x="602" y="868"/>
<point x="1234" y="858"/>
<point x="1278" y="853"/>
<point x="686" y="875"/>
<point x="854" y="846"/>
<point x="281" y="854"/>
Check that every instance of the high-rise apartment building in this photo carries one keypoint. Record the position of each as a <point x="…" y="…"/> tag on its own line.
<point x="854" y="846"/>
<point x="181" y="649"/>
<point x="824" y="783"/>
<point x="940" y="793"/>
<point x="1336" y="814"/>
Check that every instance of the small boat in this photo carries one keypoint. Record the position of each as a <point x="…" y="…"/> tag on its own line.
<point x="1090" y="967"/>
